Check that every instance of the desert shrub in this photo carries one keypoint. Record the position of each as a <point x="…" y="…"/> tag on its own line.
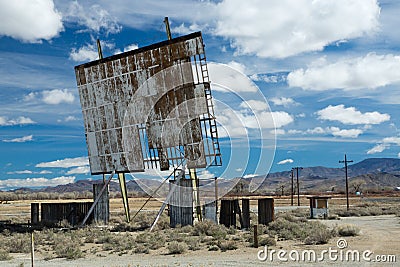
<point x="163" y="222"/>
<point x="185" y="229"/>
<point x="156" y="240"/>
<point x="144" y="219"/>
<point x="300" y="213"/>
<point x="286" y="229"/>
<point x="319" y="235"/>
<point x="4" y="255"/>
<point x="176" y="247"/>
<point x="213" y="248"/>
<point x="153" y="240"/>
<point x="118" y="242"/>
<point x="193" y="243"/>
<point x="368" y="209"/>
<point x="266" y="241"/>
<point x="231" y="230"/>
<point x="227" y="245"/>
<point x="70" y="251"/>
<point x="176" y="236"/>
<point x="209" y="228"/>
<point x="348" y="230"/>
<point x="291" y="228"/>
<point x="141" y="249"/>
<point x="18" y="243"/>
<point x="106" y="237"/>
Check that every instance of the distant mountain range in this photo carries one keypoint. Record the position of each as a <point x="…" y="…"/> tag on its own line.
<point x="369" y="174"/>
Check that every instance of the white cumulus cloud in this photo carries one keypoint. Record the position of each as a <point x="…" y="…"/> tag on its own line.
<point x="384" y="144"/>
<point x="94" y="18"/>
<point x="346" y="133"/>
<point x="19" y="139"/>
<point x="57" y="96"/>
<point x="30" y="21"/>
<point x="4" y="121"/>
<point x="283" y="101"/>
<point x="226" y="78"/>
<point x="131" y="47"/>
<point x="20" y="172"/>
<point x="370" y="71"/>
<point x="285" y="161"/>
<point x="258" y="27"/>
<point x="351" y="115"/>
<point x="65" y="163"/>
<point x="84" y="53"/>
<point x="79" y="170"/>
<point x="377" y="149"/>
<point x="36" y="182"/>
<point x="255" y="105"/>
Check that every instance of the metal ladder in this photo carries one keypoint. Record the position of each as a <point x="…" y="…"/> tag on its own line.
<point x="210" y="108"/>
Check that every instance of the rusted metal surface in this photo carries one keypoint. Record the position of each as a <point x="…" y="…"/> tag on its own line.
<point x="144" y="108"/>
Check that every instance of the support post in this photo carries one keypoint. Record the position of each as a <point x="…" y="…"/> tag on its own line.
<point x="97" y="199"/>
<point x="124" y="194"/>
<point x="196" y="193"/>
<point x="167" y="28"/>
<point x="34" y="213"/>
<point x="99" y="51"/>
<point x="292" y="191"/>
<point x="216" y="196"/>
<point x="32" y="250"/>
<point x="255" y="237"/>
<point x="298" y="185"/>
<point x="245" y="213"/>
<point x="182" y="174"/>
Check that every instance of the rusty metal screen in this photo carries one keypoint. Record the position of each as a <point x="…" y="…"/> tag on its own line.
<point x="149" y="108"/>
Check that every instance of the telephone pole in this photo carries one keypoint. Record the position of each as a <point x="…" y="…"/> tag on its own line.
<point x="298" y="187"/>
<point x="345" y="161"/>
<point x="291" y="191"/>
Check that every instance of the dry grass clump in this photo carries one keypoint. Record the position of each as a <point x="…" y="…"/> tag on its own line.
<point x="347" y="230"/>
<point x="266" y="241"/>
<point x="287" y="227"/>
<point x="369" y="209"/>
<point x="210" y="228"/>
<point x="5" y="255"/>
<point x="227" y="245"/>
<point x="176" y="247"/>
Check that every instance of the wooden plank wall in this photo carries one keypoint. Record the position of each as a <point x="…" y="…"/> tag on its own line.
<point x="73" y="213"/>
<point x="265" y="210"/>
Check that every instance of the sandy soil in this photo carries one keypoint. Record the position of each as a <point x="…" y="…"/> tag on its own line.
<point x="380" y="234"/>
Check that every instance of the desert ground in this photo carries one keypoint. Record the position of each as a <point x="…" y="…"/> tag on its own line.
<point x="379" y="234"/>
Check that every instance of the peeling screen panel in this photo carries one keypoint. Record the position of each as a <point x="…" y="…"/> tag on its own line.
<point x="146" y="108"/>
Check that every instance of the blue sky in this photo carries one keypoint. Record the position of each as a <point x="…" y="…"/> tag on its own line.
<point x="327" y="72"/>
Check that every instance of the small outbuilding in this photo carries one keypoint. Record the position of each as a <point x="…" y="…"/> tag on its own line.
<point x="319" y="207"/>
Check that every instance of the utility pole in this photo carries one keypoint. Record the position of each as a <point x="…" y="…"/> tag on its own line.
<point x="282" y="187"/>
<point x="345" y="161"/>
<point x="291" y="191"/>
<point x="298" y="187"/>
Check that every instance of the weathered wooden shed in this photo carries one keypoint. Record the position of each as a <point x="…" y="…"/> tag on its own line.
<point x="319" y="206"/>
<point x="54" y="213"/>
<point x="230" y="210"/>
